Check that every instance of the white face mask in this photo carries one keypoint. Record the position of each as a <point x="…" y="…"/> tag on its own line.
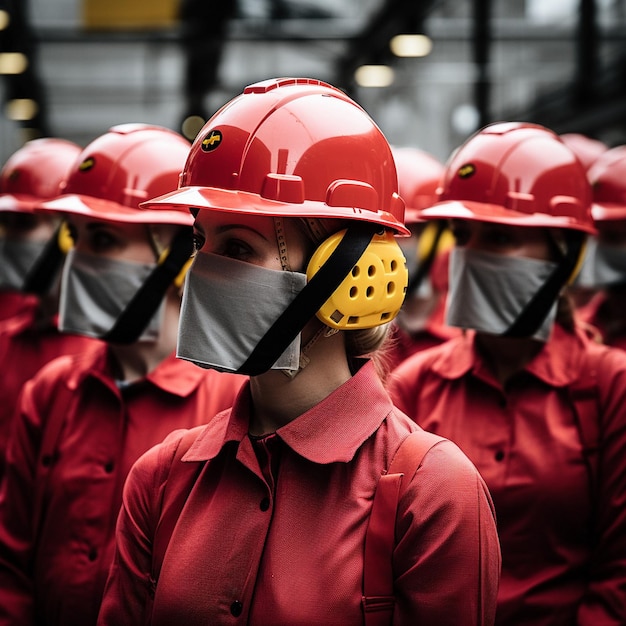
<point x="227" y="308"/>
<point x="602" y="266"/>
<point x="17" y="259"/>
<point x="95" y="291"/>
<point x="488" y="291"/>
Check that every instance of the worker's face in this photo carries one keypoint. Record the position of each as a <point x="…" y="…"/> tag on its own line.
<point x="27" y="226"/>
<point x="249" y="238"/>
<point x="532" y="243"/>
<point x="612" y="233"/>
<point x="120" y="241"/>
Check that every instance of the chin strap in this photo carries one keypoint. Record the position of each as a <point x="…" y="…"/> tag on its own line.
<point x="535" y="312"/>
<point x="308" y="302"/>
<point x="44" y="272"/>
<point x="145" y="303"/>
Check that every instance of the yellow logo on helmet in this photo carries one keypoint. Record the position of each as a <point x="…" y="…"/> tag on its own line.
<point x="212" y="141"/>
<point x="467" y="170"/>
<point x="87" y="164"/>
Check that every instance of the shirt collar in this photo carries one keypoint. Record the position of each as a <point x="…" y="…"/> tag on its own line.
<point x="331" y="431"/>
<point x="556" y="364"/>
<point x="172" y="375"/>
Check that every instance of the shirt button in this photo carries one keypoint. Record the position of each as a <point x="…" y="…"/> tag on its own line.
<point x="108" y="467"/>
<point x="236" y="608"/>
<point x="265" y="504"/>
<point x="499" y="455"/>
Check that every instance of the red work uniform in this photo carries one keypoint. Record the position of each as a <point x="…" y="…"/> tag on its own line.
<point x="26" y="345"/>
<point x="563" y="558"/>
<point x="57" y="514"/>
<point x="273" y="530"/>
<point x="13" y="302"/>
<point x="594" y="314"/>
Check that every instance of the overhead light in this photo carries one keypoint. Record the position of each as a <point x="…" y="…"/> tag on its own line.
<point x="374" y="76"/>
<point x="411" y="45"/>
<point x="21" y="109"/>
<point x="4" y="19"/>
<point x="191" y="126"/>
<point x="13" y="62"/>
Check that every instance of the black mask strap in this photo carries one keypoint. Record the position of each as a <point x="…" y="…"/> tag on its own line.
<point x="44" y="272"/>
<point x="535" y="312"/>
<point x="145" y="303"/>
<point x="309" y="301"/>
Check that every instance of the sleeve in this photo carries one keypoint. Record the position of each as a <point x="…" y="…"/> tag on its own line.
<point x="605" y="599"/>
<point x="447" y="558"/>
<point x="130" y="587"/>
<point x="17" y="535"/>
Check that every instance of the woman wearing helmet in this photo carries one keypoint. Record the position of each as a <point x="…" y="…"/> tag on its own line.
<point x="420" y="322"/>
<point x="84" y="420"/>
<point x="262" y="516"/>
<point x="536" y="405"/>
<point x="29" y="254"/>
<point x="604" y="268"/>
<point x="30" y="262"/>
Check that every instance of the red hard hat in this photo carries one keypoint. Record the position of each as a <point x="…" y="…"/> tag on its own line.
<point x="117" y="171"/>
<point x="418" y="178"/>
<point x="292" y="147"/>
<point x="34" y="173"/>
<point x="608" y="182"/>
<point x="518" y="174"/>
<point x="585" y="148"/>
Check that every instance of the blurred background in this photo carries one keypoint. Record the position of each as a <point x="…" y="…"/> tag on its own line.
<point x="429" y="72"/>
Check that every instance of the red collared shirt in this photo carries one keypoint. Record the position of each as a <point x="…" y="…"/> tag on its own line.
<point x="594" y="313"/>
<point x="273" y="530"/>
<point x="13" y="302"/>
<point x="563" y="561"/>
<point x="56" y="573"/>
<point x="26" y="345"/>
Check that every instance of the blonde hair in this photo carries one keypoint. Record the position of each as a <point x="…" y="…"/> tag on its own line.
<point x="369" y="342"/>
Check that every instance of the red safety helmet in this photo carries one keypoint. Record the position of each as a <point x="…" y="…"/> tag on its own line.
<point x="608" y="182"/>
<point x="585" y="148"/>
<point x="419" y="174"/>
<point x="34" y="173"/>
<point x="292" y="147"/>
<point x="519" y="174"/>
<point x="117" y="171"/>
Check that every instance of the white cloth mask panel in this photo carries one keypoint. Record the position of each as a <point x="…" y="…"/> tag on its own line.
<point x="602" y="266"/>
<point x="488" y="291"/>
<point x="95" y="290"/>
<point x="17" y="258"/>
<point x="227" y="308"/>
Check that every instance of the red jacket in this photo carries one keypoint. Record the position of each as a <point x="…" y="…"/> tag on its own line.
<point x="563" y="559"/>
<point x="58" y="512"/>
<point x="26" y="345"/>
<point x="273" y="530"/>
<point x="13" y="302"/>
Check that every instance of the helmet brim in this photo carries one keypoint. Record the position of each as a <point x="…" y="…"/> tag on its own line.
<point x="608" y="211"/>
<point x="245" y="203"/>
<point x="18" y="203"/>
<point x="496" y="214"/>
<point x="109" y="211"/>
